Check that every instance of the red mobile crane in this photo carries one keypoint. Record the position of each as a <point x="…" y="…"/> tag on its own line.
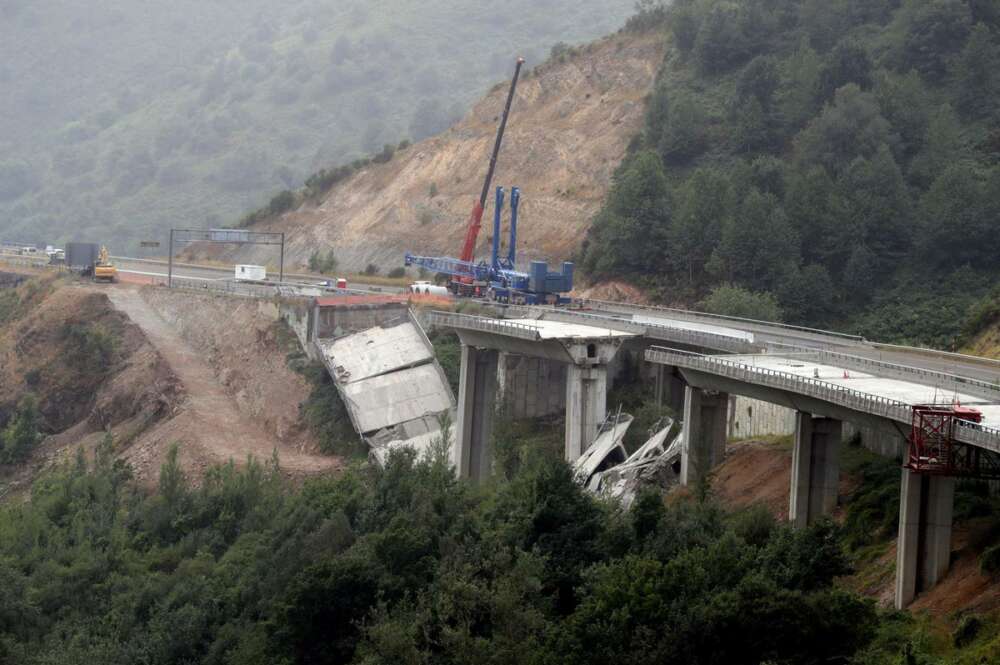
<point x="465" y="284"/>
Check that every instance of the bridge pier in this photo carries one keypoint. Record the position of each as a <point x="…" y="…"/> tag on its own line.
<point x="669" y="388"/>
<point x="815" y="468"/>
<point x="703" y="439"/>
<point x="476" y="409"/>
<point x="923" y="548"/>
<point x="586" y="406"/>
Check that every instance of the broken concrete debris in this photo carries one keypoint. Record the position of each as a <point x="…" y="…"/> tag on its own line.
<point x="606" y="470"/>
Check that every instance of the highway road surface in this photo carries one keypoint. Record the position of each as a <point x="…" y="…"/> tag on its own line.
<point x="158" y="269"/>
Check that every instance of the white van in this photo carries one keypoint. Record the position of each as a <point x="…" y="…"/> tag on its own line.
<point x="427" y="289"/>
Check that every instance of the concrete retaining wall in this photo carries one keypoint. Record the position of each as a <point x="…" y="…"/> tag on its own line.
<point x="753" y="418"/>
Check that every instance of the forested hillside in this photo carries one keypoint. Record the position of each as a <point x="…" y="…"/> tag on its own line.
<point x="119" y="119"/>
<point x="831" y="163"/>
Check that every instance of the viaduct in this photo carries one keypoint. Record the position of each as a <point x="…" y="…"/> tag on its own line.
<point x="549" y="360"/>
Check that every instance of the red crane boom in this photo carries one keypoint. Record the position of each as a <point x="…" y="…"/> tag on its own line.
<point x="476" y="218"/>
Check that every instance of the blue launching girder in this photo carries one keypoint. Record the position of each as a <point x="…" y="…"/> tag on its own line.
<point x="448" y="265"/>
<point x="505" y="282"/>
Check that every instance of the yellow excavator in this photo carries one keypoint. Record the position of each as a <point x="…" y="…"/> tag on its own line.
<point x="104" y="269"/>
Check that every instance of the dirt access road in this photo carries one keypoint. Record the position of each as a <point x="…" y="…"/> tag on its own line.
<point x="211" y="421"/>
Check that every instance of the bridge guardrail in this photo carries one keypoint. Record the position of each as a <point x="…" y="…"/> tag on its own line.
<point x="498" y="326"/>
<point x="721" y="317"/>
<point x="971" y="433"/>
<point x="929" y="377"/>
<point x="667" y="333"/>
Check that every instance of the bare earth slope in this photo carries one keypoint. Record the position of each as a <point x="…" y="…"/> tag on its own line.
<point x="209" y="427"/>
<point x="569" y="129"/>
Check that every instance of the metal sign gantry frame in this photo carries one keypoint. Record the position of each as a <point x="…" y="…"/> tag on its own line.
<point x="224" y="237"/>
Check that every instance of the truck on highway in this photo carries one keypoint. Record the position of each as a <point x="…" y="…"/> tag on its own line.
<point x="250" y="273"/>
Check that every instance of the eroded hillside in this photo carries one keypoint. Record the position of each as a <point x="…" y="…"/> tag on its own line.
<point x="153" y="368"/>
<point x="570" y="126"/>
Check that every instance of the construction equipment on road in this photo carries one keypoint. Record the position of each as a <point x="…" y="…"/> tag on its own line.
<point x="499" y="280"/>
<point x="104" y="269"/>
<point x="465" y="278"/>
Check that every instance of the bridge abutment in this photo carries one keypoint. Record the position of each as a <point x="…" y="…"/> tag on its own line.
<point x="815" y="468"/>
<point x="476" y="410"/>
<point x="703" y="439"/>
<point x="923" y="548"/>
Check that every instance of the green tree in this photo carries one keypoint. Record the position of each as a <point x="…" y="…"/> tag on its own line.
<point x="758" y="246"/>
<point x="704" y="201"/>
<point x="731" y="300"/>
<point x="933" y="31"/>
<point x="848" y="62"/>
<point x="879" y="207"/>
<point x="720" y="44"/>
<point x="978" y="72"/>
<point x="860" y="273"/>
<point x="904" y="103"/>
<point x="681" y="135"/>
<point x="801" y="85"/>
<point x="942" y="146"/>
<point x="684" y="26"/>
<point x="807" y="295"/>
<point x="820" y="214"/>
<point x="760" y="80"/>
<point x="628" y="235"/>
<point x="21" y="434"/>
<point x="852" y="126"/>
<point x="959" y="214"/>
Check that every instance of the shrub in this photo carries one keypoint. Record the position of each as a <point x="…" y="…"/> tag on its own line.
<point x="989" y="560"/>
<point x="371" y="269"/>
<point x="92" y="347"/>
<point x="282" y="202"/>
<point x="322" y="263"/>
<point x="432" y="191"/>
<point x="966" y="631"/>
<point x="397" y="273"/>
<point x="387" y="152"/>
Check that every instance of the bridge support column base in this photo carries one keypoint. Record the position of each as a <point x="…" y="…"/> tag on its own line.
<point x="815" y="468"/>
<point x="476" y="406"/>
<point x="703" y="439"/>
<point x="586" y="406"/>
<point x="923" y="549"/>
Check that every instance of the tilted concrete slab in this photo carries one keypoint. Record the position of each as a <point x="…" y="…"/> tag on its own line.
<point x="390" y="399"/>
<point x="375" y="351"/>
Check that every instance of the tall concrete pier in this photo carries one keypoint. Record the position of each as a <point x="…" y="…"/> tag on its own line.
<point x="815" y="468"/>
<point x="923" y="550"/>
<point x="703" y="439"/>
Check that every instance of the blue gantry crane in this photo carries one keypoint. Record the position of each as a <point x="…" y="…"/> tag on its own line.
<point x="499" y="279"/>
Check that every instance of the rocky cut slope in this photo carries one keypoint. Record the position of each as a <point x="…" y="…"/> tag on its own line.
<point x="570" y="126"/>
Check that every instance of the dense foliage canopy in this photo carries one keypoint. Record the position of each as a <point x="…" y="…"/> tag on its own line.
<point x="841" y="156"/>
<point x="405" y="565"/>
